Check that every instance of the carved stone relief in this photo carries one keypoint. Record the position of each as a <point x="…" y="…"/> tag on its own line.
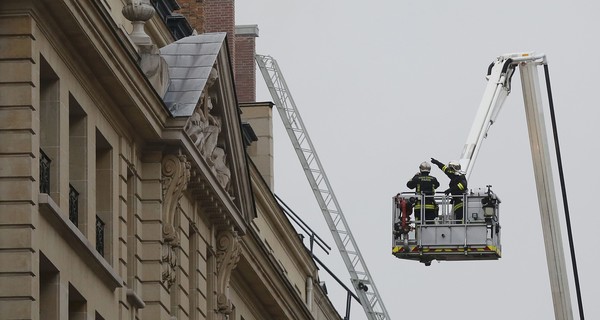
<point x="176" y="175"/>
<point x="169" y="263"/>
<point x="204" y="128"/>
<point x="228" y="255"/>
<point x="154" y="66"/>
<point x="138" y="12"/>
<point x="220" y="167"/>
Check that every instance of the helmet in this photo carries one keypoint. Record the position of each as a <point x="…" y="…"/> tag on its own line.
<point x="454" y="165"/>
<point x="425" y="167"/>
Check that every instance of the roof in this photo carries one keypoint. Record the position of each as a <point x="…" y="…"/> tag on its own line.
<point x="190" y="61"/>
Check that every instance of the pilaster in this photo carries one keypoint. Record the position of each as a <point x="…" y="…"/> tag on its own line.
<point x="154" y="294"/>
<point x="19" y="166"/>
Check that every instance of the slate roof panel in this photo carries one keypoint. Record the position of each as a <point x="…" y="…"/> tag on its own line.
<point x="189" y="60"/>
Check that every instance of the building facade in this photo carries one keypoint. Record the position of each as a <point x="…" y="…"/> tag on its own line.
<point x="135" y="176"/>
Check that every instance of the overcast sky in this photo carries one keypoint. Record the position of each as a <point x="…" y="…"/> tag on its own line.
<point x="384" y="85"/>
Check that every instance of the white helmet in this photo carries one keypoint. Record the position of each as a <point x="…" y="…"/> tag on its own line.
<point x="425" y="167"/>
<point x="455" y="165"/>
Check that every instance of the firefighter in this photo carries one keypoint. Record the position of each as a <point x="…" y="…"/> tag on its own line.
<point x="457" y="186"/>
<point x="425" y="184"/>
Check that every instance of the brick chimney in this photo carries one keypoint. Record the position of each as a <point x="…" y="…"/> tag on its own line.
<point x="193" y="11"/>
<point x="212" y="16"/>
<point x="219" y="16"/>
<point x="245" y="66"/>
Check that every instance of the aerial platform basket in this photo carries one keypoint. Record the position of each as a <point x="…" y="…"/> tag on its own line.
<point x="475" y="237"/>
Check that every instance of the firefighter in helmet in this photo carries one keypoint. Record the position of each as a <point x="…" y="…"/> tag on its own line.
<point x="425" y="184"/>
<point x="457" y="186"/>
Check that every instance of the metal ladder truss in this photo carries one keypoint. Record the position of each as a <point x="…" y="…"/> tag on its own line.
<point x="359" y="274"/>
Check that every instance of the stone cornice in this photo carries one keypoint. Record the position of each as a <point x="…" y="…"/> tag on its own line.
<point x="120" y="88"/>
<point x="212" y="199"/>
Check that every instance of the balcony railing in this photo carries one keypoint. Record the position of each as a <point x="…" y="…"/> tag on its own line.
<point x="73" y="205"/>
<point x="44" y="172"/>
<point x="100" y="236"/>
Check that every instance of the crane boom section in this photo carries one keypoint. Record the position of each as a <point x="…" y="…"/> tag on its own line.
<point x="493" y="97"/>
<point x="542" y="168"/>
<point x="359" y="274"/>
<point x="498" y="88"/>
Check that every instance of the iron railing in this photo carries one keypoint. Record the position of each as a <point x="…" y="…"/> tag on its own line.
<point x="44" y="172"/>
<point x="73" y="205"/>
<point x="100" y="236"/>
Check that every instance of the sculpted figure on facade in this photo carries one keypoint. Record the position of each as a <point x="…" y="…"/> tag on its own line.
<point x="196" y="126"/>
<point x="204" y="129"/>
<point x="221" y="170"/>
<point x="211" y="130"/>
<point x="154" y="66"/>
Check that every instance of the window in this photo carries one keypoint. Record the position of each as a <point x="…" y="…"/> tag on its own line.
<point x="104" y="196"/>
<point x="78" y="175"/>
<point x="49" y="129"/>
<point x="77" y="305"/>
<point x="49" y="289"/>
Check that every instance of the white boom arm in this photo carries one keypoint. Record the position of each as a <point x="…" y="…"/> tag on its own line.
<point x="499" y="76"/>
<point x="498" y="88"/>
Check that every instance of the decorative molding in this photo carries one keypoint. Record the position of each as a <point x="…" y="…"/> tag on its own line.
<point x="138" y="12"/>
<point x="176" y="175"/>
<point x="155" y="68"/>
<point x="169" y="263"/>
<point x="228" y="255"/>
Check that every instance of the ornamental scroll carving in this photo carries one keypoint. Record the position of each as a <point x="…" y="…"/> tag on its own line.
<point x="176" y="175"/>
<point x="204" y="128"/>
<point x="228" y="255"/>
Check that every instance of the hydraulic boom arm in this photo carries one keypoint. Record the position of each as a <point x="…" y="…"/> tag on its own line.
<point x="498" y="88"/>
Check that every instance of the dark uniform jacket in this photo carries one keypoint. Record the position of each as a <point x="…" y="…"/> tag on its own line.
<point x="424" y="183"/>
<point x="458" y="181"/>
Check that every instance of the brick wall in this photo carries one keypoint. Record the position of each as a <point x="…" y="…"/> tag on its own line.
<point x="211" y="16"/>
<point x="193" y="11"/>
<point x="219" y="16"/>
<point x="245" y="71"/>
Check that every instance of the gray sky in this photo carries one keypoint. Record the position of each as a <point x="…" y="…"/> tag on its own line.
<point x="384" y="85"/>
